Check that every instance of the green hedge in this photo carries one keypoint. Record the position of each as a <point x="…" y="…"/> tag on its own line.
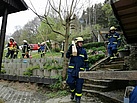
<point x="93" y="44"/>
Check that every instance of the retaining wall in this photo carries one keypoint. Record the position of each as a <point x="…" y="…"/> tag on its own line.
<point x="18" y="66"/>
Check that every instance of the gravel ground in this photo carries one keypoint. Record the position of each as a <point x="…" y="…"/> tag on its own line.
<point x="32" y="92"/>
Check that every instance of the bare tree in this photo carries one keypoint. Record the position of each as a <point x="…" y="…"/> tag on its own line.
<point x="65" y="13"/>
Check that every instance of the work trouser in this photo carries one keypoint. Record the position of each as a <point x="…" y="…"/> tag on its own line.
<point x="42" y="53"/>
<point x="10" y="53"/>
<point x="25" y="54"/>
<point x="112" y="50"/>
<point x="75" y="85"/>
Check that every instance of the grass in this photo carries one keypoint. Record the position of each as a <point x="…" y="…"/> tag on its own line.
<point x="36" y="55"/>
<point x="59" y="93"/>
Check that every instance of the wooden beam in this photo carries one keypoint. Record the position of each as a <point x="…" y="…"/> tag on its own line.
<point x="114" y="75"/>
<point x="107" y="32"/>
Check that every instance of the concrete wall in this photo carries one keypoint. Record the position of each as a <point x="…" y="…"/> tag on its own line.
<point x="18" y="66"/>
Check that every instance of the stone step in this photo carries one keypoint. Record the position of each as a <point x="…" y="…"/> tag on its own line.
<point x="104" y="95"/>
<point x="96" y="87"/>
<point x="99" y="82"/>
<point x="120" y="65"/>
<point x="114" y="62"/>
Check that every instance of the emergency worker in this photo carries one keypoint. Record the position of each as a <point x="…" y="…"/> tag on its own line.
<point x="77" y="63"/>
<point x="133" y="96"/>
<point x="12" y="46"/>
<point x="25" y="49"/>
<point x="16" y="50"/>
<point x="114" y="41"/>
<point x="42" y="49"/>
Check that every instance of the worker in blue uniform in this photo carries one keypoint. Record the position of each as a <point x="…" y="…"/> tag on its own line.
<point x="133" y="96"/>
<point x="77" y="63"/>
<point x="114" y="41"/>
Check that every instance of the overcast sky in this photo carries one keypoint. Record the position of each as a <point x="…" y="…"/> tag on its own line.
<point x="21" y="18"/>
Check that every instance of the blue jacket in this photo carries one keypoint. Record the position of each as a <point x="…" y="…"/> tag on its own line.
<point x="42" y="48"/>
<point x="133" y="96"/>
<point x="114" y="38"/>
<point x="77" y="63"/>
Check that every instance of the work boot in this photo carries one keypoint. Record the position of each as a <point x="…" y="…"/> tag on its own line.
<point x="72" y="96"/>
<point x="77" y="100"/>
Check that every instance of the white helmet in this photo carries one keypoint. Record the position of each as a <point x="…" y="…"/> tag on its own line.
<point x="11" y="38"/>
<point x="112" y="28"/>
<point x="78" y="39"/>
<point x="25" y="41"/>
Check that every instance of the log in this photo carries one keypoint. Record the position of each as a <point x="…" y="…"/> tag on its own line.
<point x="99" y="62"/>
<point x="113" y="75"/>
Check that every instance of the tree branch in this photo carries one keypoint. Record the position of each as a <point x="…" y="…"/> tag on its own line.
<point x="47" y="22"/>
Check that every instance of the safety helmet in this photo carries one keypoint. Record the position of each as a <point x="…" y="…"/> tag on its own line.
<point x="11" y="38"/>
<point x="78" y="39"/>
<point x="25" y="41"/>
<point x="112" y="28"/>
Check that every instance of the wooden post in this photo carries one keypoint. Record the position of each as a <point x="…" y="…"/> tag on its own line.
<point x="114" y="75"/>
<point x="2" y="35"/>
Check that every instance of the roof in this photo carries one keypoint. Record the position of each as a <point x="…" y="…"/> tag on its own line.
<point x="126" y="13"/>
<point x="12" y="6"/>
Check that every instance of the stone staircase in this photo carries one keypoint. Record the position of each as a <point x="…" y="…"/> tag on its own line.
<point x="97" y="86"/>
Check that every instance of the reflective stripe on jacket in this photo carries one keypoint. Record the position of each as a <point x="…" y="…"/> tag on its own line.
<point x="77" y="63"/>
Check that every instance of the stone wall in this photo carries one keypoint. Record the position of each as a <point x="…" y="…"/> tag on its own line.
<point x="19" y="66"/>
<point x="131" y="60"/>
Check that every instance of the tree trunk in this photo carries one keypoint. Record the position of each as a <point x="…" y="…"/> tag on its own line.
<point x="65" y="63"/>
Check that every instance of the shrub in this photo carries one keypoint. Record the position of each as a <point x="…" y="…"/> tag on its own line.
<point x="58" y="84"/>
<point x="3" y="71"/>
<point x="29" y="70"/>
<point x="93" y="44"/>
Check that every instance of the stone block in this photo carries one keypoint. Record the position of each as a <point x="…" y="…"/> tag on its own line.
<point x="34" y="72"/>
<point x="14" y="65"/>
<point x="33" y="60"/>
<point x="6" y="60"/>
<point x="5" y="76"/>
<point x="60" y="72"/>
<point x="24" y="65"/>
<point x="47" y="73"/>
<point x="23" y="78"/>
<point x="22" y="70"/>
<point x="12" y="72"/>
<point x="13" y="77"/>
<point x="38" y="60"/>
<point x="33" y="79"/>
<point x="7" y="70"/>
<point x="5" y="65"/>
<point x="42" y="60"/>
<point x="54" y="73"/>
<point x="1" y="76"/>
<point x="17" y="72"/>
<point x="10" y="65"/>
<point x="40" y="73"/>
<point x="40" y="80"/>
<point x="19" y="65"/>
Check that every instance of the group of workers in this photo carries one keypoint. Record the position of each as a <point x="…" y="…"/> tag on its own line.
<point x="13" y="49"/>
<point x="79" y="62"/>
